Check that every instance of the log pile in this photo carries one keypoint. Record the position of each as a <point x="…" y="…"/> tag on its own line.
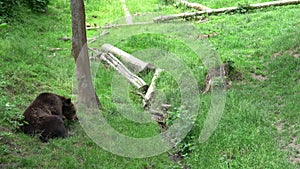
<point x="108" y="55"/>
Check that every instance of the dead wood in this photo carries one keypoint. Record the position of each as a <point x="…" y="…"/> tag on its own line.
<point x="158" y="116"/>
<point x="120" y="68"/>
<point x="119" y="25"/>
<point x="124" y="25"/>
<point x="195" y="6"/>
<point x="134" y="63"/>
<point x="200" y="37"/>
<point x="55" y="49"/>
<point x="222" y="10"/>
<point x="65" y="38"/>
<point x="93" y="27"/>
<point x="91" y="40"/>
<point x="150" y="92"/>
<point x="222" y="76"/>
<point x="216" y="77"/>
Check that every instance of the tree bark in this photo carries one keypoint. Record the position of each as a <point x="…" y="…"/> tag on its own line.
<point x="150" y="92"/>
<point x="86" y="93"/>
<point x="134" y="63"/>
<point x="117" y="65"/>
<point x="195" y="5"/>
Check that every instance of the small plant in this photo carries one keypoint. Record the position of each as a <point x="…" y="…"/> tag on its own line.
<point x="243" y="8"/>
<point x="167" y="2"/>
<point x="12" y="116"/>
<point x="185" y="118"/>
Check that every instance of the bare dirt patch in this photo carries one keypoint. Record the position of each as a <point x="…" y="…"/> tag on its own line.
<point x="293" y="52"/>
<point x="258" y="77"/>
<point x="279" y="126"/>
<point x="292" y="147"/>
<point x="295" y="156"/>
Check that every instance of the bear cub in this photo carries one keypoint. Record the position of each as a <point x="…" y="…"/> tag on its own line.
<point x="46" y="114"/>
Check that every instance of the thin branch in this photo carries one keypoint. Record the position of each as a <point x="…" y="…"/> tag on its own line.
<point x="91" y="40"/>
<point x="150" y="92"/>
<point x="124" y="25"/>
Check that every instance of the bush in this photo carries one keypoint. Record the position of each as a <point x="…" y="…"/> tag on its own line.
<point x="166" y="2"/>
<point x="10" y="8"/>
<point x="38" y="5"/>
<point x="7" y="8"/>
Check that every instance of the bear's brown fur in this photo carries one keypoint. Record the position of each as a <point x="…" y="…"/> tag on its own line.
<point x="50" y="127"/>
<point x="45" y="116"/>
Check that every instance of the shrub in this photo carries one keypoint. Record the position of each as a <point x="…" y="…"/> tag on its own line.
<point x="167" y="2"/>
<point x="38" y="5"/>
<point x="7" y="8"/>
<point x="10" y="8"/>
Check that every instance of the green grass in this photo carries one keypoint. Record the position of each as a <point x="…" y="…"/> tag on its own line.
<point x="247" y="135"/>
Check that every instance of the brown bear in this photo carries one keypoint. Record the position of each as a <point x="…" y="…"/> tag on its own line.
<point x="51" y="127"/>
<point x="46" y="115"/>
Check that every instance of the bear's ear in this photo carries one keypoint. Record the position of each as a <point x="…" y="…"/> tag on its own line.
<point x="68" y="101"/>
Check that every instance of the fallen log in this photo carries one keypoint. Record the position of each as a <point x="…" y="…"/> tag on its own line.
<point x="124" y="25"/>
<point x="93" y="27"/>
<point x="139" y="83"/>
<point x="222" y="10"/>
<point x="216" y="77"/>
<point x="134" y="63"/>
<point x="195" y="6"/>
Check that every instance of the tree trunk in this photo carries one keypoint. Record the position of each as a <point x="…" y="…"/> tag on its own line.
<point x="86" y="93"/>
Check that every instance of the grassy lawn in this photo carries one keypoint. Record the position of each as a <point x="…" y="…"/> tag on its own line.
<point x="259" y="127"/>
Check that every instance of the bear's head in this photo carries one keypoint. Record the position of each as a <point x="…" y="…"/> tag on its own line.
<point x="69" y="110"/>
<point x="51" y="127"/>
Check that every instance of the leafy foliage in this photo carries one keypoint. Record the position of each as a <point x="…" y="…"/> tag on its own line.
<point x="38" y="5"/>
<point x="166" y="2"/>
<point x="243" y="8"/>
<point x="7" y="9"/>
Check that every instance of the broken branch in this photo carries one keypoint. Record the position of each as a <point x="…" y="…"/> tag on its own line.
<point x="150" y="92"/>
<point x="91" y="40"/>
